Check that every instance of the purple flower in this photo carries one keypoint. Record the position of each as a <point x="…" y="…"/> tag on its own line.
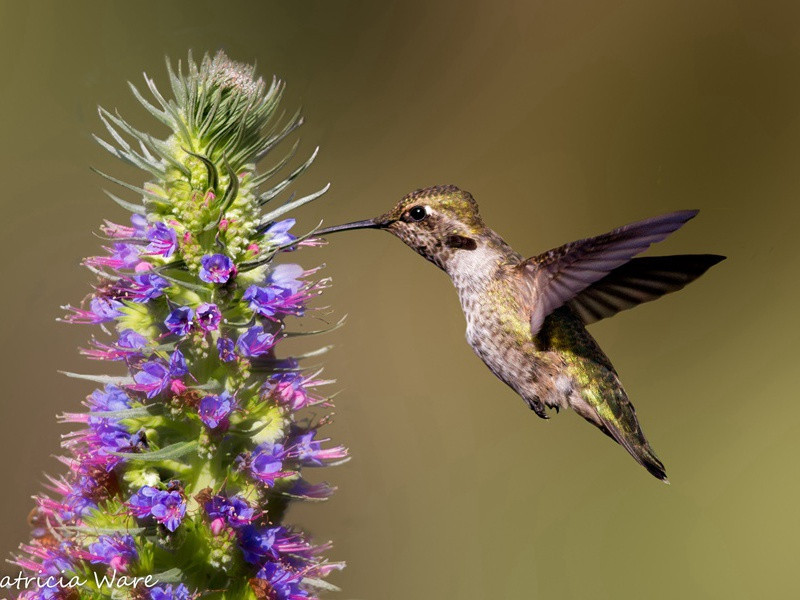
<point x="131" y="340"/>
<point x="105" y="309"/>
<point x="108" y="399"/>
<point x="177" y="364"/>
<point x="208" y="316"/>
<point x="282" y="295"/>
<point x="53" y="560"/>
<point x="139" y="223"/>
<point x="234" y="511"/>
<point x="163" y="240"/>
<point x="290" y="389"/>
<point x="287" y="277"/>
<point x="123" y="256"/>
<point x="146" y="287"/>
<point x="262" y="300"/>
<point x="167" y="592"/>
<point x="318" y="491"/>
<point x="179" y="321"/>
<point x="214" y="410"/>
<point x="266" y="544"/>
<point x="152" y="378"/>
<point x="225" y="348"/>
<point x="72" y="506"/>
<point x="50" y="590"/>
<point x="168" y="508"/>
<point x="101" y="309"/>
<point x="284" y="585"/>
<point x="142" y="501"/>
<point x="255" y="342"/>
<point x="126" y="255"/>
<point x="310" y="452"/>
<point x="278" y="232"/>
<point x="107" y="436"/>
<point x="128" y="347"/>
<point x="116" y="552"/>
<point x="257" y="543"/>
<point x="216" y="268"/>
<point x="270" y="301"/>
<point x="266" y="463"/>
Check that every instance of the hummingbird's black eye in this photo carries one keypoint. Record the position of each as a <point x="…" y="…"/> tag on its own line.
<point x="417" y="213"/>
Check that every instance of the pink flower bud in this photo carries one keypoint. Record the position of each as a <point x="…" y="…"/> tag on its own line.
<point x="217" y="526"/>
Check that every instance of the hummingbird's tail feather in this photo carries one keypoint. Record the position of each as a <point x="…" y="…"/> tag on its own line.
<point x="641" y="451"/>
<point x="589" y="385"/>
<point x="607" y="406"/>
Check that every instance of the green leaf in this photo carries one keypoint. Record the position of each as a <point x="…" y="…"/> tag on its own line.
<point x="232" y="190"/>
<point x="172" y="451"/>
<point x="177" y="123"/>
<point x="270" y="194"/>
<point x="125" y="153"/>
<point x="178" y="87"/>
<point x="201" y="289"/>
<point x="334" y="327"/>
<point x="158" y="114"/>
<point x="321" y="584"/>
<point x="127" y="186"/>
<point x="255" y="428"/>
<point x="211" y="169"/>
<point x="313" y="353"/>
<point x="203" y="128"/>
<point x="211" y="384"/>
<point x="106" y="530"/>
<point x="261" y="178"/>
<point x="171" y="576"/>
<point x="134" y="208"/>
<point x="130" y="413"/>
<point x="293" y="205"/>
<point x="293" y="123"/>
<point x="302" y="498"/>
<point x="104" y="379"/>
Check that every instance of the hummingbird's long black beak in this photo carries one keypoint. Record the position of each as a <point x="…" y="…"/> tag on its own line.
<point x="367" y="224"/>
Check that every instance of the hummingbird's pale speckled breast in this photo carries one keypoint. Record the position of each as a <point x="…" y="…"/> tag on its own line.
<point x="498" y="321"/>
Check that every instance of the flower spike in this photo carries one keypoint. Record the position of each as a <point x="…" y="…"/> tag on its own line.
<point x="182" y="468"/>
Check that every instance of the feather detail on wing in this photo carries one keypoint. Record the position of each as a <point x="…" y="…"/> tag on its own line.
<point x="638" y="281"/>
<point x="559" y="275"/>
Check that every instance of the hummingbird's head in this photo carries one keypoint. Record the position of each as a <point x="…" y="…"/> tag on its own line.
<point x="436" y="222"/>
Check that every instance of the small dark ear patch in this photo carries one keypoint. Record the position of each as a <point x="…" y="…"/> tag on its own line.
<point x="460" y="242"/>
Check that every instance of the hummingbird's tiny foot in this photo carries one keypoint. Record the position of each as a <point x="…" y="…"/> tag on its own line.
<point x="536" y="406"/>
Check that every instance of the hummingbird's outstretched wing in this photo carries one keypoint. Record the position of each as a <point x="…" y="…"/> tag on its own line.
<point x="640" y="280"/>
<point x="560" y="274"/>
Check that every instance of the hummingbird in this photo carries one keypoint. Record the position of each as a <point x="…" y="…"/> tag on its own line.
<point x="527" y="317"/>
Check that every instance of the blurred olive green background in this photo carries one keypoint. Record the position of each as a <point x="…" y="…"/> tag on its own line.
<point x="564" y="119"/>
